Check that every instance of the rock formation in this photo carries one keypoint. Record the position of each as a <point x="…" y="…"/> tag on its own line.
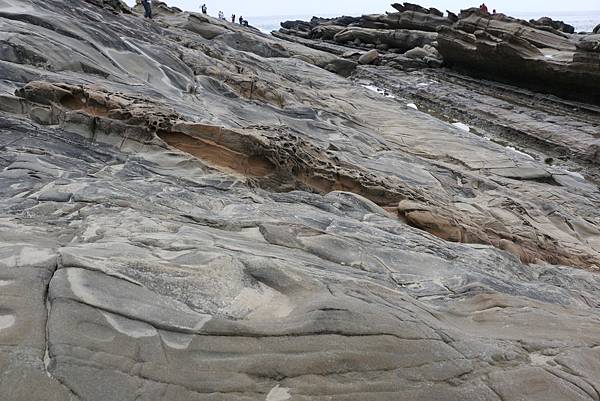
<point x="506" y="49"/>
<point x="193" y="210"/>
<point x="558" y="25"/>
<point x="542" y="54"/>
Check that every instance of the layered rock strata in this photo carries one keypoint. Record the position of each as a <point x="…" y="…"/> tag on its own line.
<point x="543" y="55"/>
<point x="502" y="49"/>
<point x="192" y="210"/>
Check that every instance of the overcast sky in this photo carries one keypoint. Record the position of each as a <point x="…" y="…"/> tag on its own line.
<point x="353" y="7"/>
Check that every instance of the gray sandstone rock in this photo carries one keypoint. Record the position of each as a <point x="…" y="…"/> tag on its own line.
<point x="369" y="57"/>
<point x="193" y="210"/>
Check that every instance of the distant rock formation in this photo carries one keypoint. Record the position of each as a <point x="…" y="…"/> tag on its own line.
<point x="549" y="22"/>
<point x="541" y="54"/>
<point x="503" y="48"/>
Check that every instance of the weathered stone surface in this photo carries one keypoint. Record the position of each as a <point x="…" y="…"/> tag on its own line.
<point x="399" y="39"/>
<point x="558" y="25"/>
<point x="508" y="28"/>
<point x="506" y="49"/>
<point x="414" y="20"/>
<point x="369" y="57"/>
<point x="192" y="210"/>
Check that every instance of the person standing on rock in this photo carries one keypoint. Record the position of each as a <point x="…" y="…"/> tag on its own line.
<point x="147" y="9"/>
<point x="241" y="20"/>
<point x="204" y="9"/>
<point x="233" y="18"/>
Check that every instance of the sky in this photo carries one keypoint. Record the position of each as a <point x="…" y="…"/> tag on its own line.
<point x="250" y="8"/>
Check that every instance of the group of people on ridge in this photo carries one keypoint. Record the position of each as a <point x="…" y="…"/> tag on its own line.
<point x="221" y="16"/>
<point x="147" y="4"/>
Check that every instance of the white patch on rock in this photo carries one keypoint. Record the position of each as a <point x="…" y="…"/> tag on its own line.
<point x="379" y="91"/>
<point x="412" y="106"/>
<point x="129" y="327"/>
<point x="260" y="304"/>
<point x="29" y="256"/>
<point x="573" y="174"/>
<point x="4" y="283"/>
<point x="79" y="288"/>
<point x="278" y="394"/>
<point x="176" y="340"/>
<point x="6" y="321"/>
<point x="540" y="360"/>
<point x="462" y="126"/>
<point x="372" y="88"/>
<point x="90" y="232"/>
<point x="514" y="150"/>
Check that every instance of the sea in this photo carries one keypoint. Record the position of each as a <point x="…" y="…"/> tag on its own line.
<point x="583" y="21"/>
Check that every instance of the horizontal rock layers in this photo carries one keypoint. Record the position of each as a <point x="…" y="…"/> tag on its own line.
<point x="501" y="49"/>
<point x="192" y="210"/>
<point x="542" y="55"/>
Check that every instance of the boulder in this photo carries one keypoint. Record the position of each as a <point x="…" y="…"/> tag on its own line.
<point x="343" y="20"/>
<point x="417" y="53"/>
<point x="297" y="25"/>
<point x="340" y="66"/>
<point x="410" y="7"/>
<point x="424" y="52"/>
<point x="159" y="8"/>
<point x="401" y="38"/>
<point x="435" y="11"/>
<point x="513" y="58"/>
<point x="325" y="32"/>
<point x="558" y="25"/>
<point x="369" y="57"/>
<point x="511" y="28"/>
<point x="411" y="20"/>
<point x="452" y="17"/>
<point x="589" y="43"/>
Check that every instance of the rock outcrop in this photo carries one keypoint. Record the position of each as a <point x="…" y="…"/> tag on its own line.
<point x="509" y="50"/>
<point x="412" y="26"/>
<point x="558" y="25"/>
<point x="193" y="210"/>
<point x="400" y="39"/>
<point x="542" y="54"/>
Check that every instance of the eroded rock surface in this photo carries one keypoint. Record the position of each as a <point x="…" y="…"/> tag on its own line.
<point x="544" y="55"/>
<point x="192" y="210"/>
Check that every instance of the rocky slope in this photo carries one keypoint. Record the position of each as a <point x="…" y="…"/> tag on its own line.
<point x="543" y="54"/>
<point x="191" y="210"/>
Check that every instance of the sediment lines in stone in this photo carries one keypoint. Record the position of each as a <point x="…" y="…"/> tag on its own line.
<point x="274" y="159"/>
<point x="219" y="217"/>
